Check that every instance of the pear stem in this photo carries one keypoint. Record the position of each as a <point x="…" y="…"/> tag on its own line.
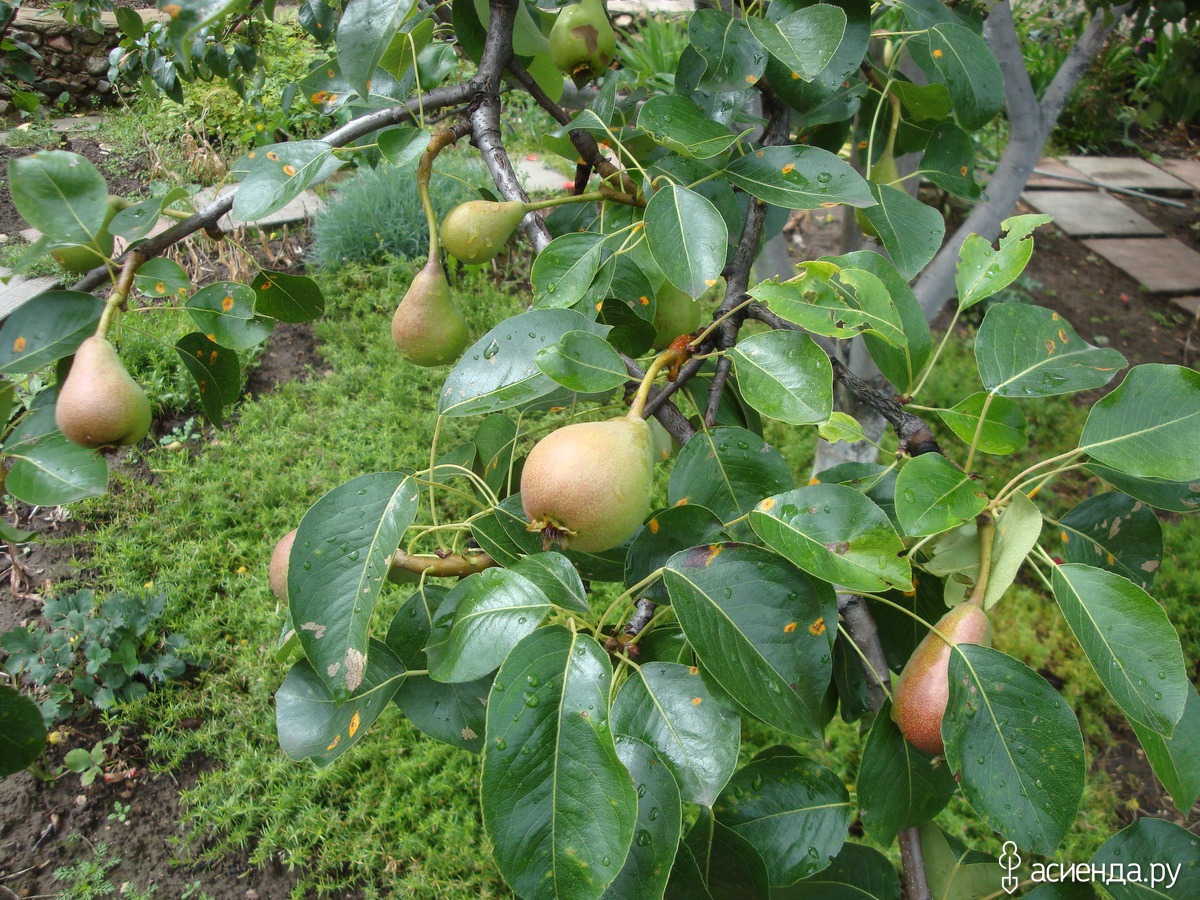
<point x="987" y="528"/>
<point x="588" y="197"/>
<point x="437" y="143"/>
<point x="116" y="300"/>
<point x="664" y="359"/>
<point x="716" y="323"/>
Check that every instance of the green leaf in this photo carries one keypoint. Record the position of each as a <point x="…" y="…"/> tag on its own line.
<point x="799" y="177"/>
<point x="658" y="828"/>
<point x="498" y="371"/>
<point x="728" y="866"/>
<point x="855" y="873"/>
<point x="60" y="194"/>
<point x="761" y="627"/>
<point x="949" y="161"/>
<point x="910" y="231"/>
<point x="803" y="41"/>
<point x="558" y="804"/>
<point x="451" y="713"/>
<point x="1176" y="759"/>
<point x="934" y="495"/>
<point x="1029" y="351"/>
<point x="403" y="145"/>
<point x="733" y="59"/>
<point x="565" y="268"/>
<point x="1113" y="531"/>
<point x="22" y="734"/>
<point x="14" y="535"/>
<point x="924" y="102"/>
<point x="281" y="172"/>
<point x="1176" y="496"/>
<point x="337" y="567"/>
<point x="678" y="124"/>
<point x="835" y="533"/>
<point x="1147" y="427"/>
<point x="983" y="272"/>
<point x="955" y="871"/>
<point x="161" y="277"/>
<point x="47" y="328"/>
<point x="816" y="300"/>
<point x="482" y="618"/>
<point x="899" y="786"/>
<point x="1017" y="530"/>
<point x="1129" y="641"/>
<point x="582" y="361"/>
<point x="363" y="35"/>
<point x="841" y="427"/>
<point x="1015" y="746"/>
<point x="215" y="370"/>
<point x="225" y="311"/>
<point x="52" y="471"/>
<point x="727" y="470"/>
<point x="288" y="298"/>
<point x="794" y="812"/>
<point x="502" y="533"/>
<point x="696" y="734"/>
<point x="786" y="376"/>
<point x="136" y="221"/>
<point x="554" y="575"/>
<point x="1003" y="428"/>
<point x="665" y="533"/>
<point x="495" y="443"/>
<point x="313" y="725"/>
<point x="687" y="238"/>
<point x="969" y="71"/>
<point x="1152" y="845"/>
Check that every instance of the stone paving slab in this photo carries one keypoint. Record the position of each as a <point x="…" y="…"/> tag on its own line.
<point x="1046" y="183"/>
<point x="1082" y="214"/>
<point x="1161" y="265"/>
<point x="1190" y="305"/>
<point x="20" y="290"/>
<point x="1128" y="172"/>
<point x="537" y="177"/>
<point x="1184" y="169"/>
<point x="300" y="209"/>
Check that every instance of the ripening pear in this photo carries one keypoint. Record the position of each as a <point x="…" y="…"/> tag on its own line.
<point x="675" y="313"/>
<point x="477" y="230"/>
<point x="587" y="486"/>
<point x="278" y="572"/>
<point x="79" y="259"/>
<point x="885" y="172"/>
<point x="427" y="327"/>
<point x="923" y="688"/>
<point x="582" y="41"/>
<point x="99" y="404"/>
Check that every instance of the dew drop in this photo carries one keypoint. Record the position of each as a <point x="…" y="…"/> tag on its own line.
<point x="307" y="565"/>
<point x="643" y="838"/>
<point x="824" y="178"/>
<point x="353" y="555"/>
<point x="500" y="745"/>
<point x="492" y="349"/>
<point x="756" y="783"/>
<point x="531" y="700"/>
<point x="533" y="680"/>
<point x="653" y="813"/>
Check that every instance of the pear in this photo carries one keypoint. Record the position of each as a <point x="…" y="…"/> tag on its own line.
<point x="99" y="404"/>
<point x="923" y="689"/>
<point x="587" y="486"/>
<point x="428" y="328"/>
<point x="477" y="230"/>
<point x="79" y="259"/>
<point x="278" y="571"/>
<point x="885" y="172"/>
<point x="675" y="313"/>
<point x="582" y="41"/>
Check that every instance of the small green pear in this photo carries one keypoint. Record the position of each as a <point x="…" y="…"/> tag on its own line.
<point x="427" y="327"/>
<point x="99" y="404"/>
<point x="79" y="259"/>
<point x="582" y="41"/>
<point x="587" y="486"/>
<point x="475" y="231"/>
<point x="675" y="313"/>
<point x="277" y="573"/>
<point x="923" y="688"/>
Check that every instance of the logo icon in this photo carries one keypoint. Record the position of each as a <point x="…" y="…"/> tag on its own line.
<point x="1009" y="861"/>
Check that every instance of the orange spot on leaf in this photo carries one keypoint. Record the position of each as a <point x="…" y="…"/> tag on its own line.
<point x="817" y="628"/>
<point x="19" y="345"/>
<point x="227" y="304"/>
<point x="696" y="701"/>
<point x="355" y="721"/>
<point x="653" y="523"/>
<point x="714" y="550"/>
<point x="937" y="54"/>
<point x="289" y="171"/>
<point x="789" y="627"/>
<point x="272" y="156"/>
<point x="333" y="744"/>
<point x="788" y="169"/>
<point x="767" y="504"/>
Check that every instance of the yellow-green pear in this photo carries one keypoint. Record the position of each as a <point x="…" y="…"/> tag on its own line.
<point x="428" y="328"/>
<point x="99" y="404"/>
<point x="675" y="313"/>
<point x="477" y="230"/>
<point x="582" y="41"/>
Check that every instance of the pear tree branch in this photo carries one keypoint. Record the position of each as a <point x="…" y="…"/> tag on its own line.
<point x="452" y="565"/>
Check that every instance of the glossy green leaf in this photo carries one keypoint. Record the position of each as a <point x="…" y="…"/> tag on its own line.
<point x="949" y="161"/>
<point x="983" y="271"/>
<point x="482" y="618"/>
<point x="495" y="443"/>
<point x="558" y="804"/>
<point x="687" y="882"/>
<point x="1176" y="759"/>
<point x="970" y="73"/>
<point x="857" y="872"/>
<point x="761" y="627"/>
<point x="849" y="681"/>
<point x="60" y="194"/>
<point x="727" y="470"/>
<point x="288" y="298"/>
<point x="1015" y="745"/>
<point x="695" y="733"/>
<point x="816" y="301"/>
<point x="1113" y="531"/>
<point x="502" y="533"/>
<point x="729" y="866"/>
<point x="135" y="222"/>
<point x="554" y="575"/>
<point x="1147" y="427"/>
<point x="564" y="270"/>
<point x="498" y="371"/>
<point x="658" y="829"/>
<point x="363" y="35"/>
<point x="215" y="371"/>
<point x="687" y="238"/>
<point x="835" y="533"/>
<point x="786" y="376"/>
<point x="1017" y="529"/>
<point x="50" y="471"/>
<point x="1129" y="641"/>
<point x="280" y="173"/>
<point x="678" y="124"/>
<point x="1003" y="428"/>
<point x="337" y="566"/>
<point x="1176" y="496"/>
<point x="934" y="495"/>
<point x="899" y="786"/>
<point x="1029" y="351"/>
<point x="313" y="725"/>
<point x="225" y="311"/>
<point x="582" y="361"/>
<point x="794" y="812"/>
<point x="910" y="231"/>
<point x="733" y="58"/>
<point x="799" y="177"/>
<point x="451" y="713"/>
<point x="47" y="328"/>
<point x="403" y="145"/>
<point x="923" y="102"/>
<point x="22" y="733"/>
<point x="1152" y="845"/>
<point x="162" y="277"/>
<point x="803" y="41"/>
<point x="665" y="533"/>
<point x="841" y="427"/>
<point x="14" y="535"/>
<point x="953" y="870"/>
